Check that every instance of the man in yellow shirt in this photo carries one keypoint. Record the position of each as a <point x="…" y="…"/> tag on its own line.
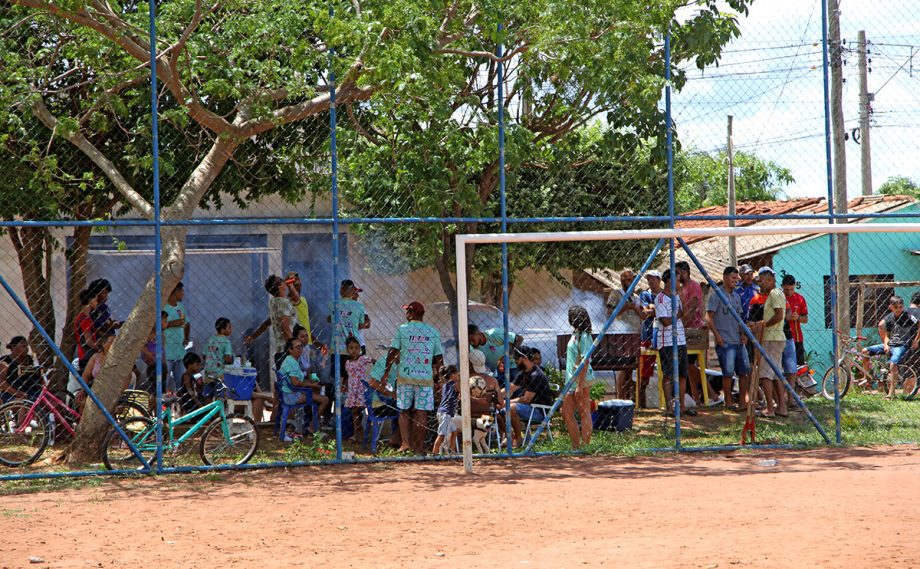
<point x="774" y="341"/>
<point x="301" y="308"/>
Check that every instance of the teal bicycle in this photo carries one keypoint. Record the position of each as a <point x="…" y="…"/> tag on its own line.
<point x="226" y="439"/>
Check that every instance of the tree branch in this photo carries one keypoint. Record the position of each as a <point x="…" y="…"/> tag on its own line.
<point x="108" y="168"/>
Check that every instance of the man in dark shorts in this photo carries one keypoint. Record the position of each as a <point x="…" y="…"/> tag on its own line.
<point x="899" y="333"/>
<point x="666" y="318"/>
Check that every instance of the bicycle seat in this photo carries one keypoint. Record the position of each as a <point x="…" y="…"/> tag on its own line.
<point x="170" y="399"/>
<point x="860" y="337"/>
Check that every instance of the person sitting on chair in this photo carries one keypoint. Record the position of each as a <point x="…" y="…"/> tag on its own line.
<point x="534" y="389"/>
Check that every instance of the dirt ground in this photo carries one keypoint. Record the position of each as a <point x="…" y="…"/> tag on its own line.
<point x="849" y="508"/>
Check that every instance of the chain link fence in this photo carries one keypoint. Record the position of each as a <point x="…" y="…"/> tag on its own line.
<point x="308" y="169"/>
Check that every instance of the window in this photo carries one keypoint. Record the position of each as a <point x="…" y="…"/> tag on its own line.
<point x="875" y="304"/>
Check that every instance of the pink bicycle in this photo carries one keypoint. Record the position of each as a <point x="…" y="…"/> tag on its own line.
<point x="28" y="427"/>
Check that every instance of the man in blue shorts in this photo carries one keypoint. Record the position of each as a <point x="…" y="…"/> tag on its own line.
<point x="417" y="348"/>
<point x="899" y="332"/>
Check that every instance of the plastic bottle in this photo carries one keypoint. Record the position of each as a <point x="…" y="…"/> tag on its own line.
<point x="51" y="428"/>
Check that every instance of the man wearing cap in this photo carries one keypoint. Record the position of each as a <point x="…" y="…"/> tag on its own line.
<point x="532" y="389"/>
<point x="729" y="336"/>
<point x="647" y="337"/>
<point x="747" y="288"/>
<point x="352" y="319"/>
<point x="774" y="342"/>
<point x="628" y="321"/>
<point x="417" y="348"/>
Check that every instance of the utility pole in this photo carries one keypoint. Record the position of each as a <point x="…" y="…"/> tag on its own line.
<point x="732" y="251"/>
<point x="865" y="103"/>
<point x="840" y="164"/>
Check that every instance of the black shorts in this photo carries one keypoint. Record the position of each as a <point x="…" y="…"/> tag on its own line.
<point x="667" y="361"/>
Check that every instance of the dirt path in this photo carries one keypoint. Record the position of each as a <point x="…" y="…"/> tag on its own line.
<point x="853" y="508"/>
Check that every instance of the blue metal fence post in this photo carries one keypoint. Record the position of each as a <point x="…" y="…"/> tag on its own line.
<point x="832" y="247"/>
<point x="499" y="52"/>
<point x="675" y="379"/>
<point x="335" y="253"/>
<point x="157" y="238"/>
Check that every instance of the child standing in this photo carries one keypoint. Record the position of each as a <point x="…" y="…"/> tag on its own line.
<point x="358" y="365"/>
<point x="450" y="379"/>
<point x="217" y="353"/>
<point x="188" y="387"/>
<point x="175" y="336"/>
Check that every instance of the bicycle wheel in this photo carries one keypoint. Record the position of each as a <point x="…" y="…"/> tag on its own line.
<point x="216" y="448"/>
<point x="907" y="382"/>
<point x="21" y="441"/>
<point x="843" y="381"/>
<point x="117" y="455"/>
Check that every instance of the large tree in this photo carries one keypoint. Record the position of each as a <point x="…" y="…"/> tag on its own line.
<point x="238" y="75"/>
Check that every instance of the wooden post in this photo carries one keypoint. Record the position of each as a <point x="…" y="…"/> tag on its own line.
<point x="860" y="308"/>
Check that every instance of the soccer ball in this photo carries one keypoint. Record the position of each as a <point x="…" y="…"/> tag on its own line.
<point x="477" y="386"/>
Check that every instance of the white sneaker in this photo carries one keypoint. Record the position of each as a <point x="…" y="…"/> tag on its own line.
<point x="715" y="402"/>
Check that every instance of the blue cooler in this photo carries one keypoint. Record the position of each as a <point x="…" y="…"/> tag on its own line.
<point x="240" y="383"/>
<point x="614" y="415"/>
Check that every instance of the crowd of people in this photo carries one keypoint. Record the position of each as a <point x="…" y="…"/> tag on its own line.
<point x="412" y="384"/>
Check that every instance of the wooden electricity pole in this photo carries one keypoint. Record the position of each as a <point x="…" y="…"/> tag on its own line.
<point x="865" y="103"/>
<point x="840" y="165"/>
<point x="732" y="250"/>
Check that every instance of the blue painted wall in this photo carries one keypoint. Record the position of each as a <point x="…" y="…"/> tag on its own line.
<point x="870" y="253"/>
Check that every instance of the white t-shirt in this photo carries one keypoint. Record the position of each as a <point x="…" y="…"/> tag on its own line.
<point x="663" y="310"/>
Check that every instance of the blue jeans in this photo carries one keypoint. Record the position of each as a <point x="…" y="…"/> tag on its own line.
<point x="895" y="356"/>
<point x="524" y="412"/>
<point x="733" y="359"/>
<point x="789" y="362"/>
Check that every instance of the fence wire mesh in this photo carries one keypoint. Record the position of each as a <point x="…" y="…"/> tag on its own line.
<point x="450" y="118"/>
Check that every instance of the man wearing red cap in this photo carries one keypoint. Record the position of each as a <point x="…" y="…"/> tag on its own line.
<point x="417" y="348"/>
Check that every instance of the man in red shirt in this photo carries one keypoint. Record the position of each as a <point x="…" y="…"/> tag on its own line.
<point x="691" y="296"/>
<point x="796" y="315"/>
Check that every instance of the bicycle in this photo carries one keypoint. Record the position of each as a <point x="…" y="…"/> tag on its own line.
<point x="27" y="428"/>
<point x="226" y="439"/>
<point x="850" y="365"/>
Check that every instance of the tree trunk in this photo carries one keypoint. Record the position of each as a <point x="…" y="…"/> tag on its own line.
<point x="491" y="289"/>
<point x="116" y="371"/>
<point x="77" y="261"/>
<point x="33" y="247"/>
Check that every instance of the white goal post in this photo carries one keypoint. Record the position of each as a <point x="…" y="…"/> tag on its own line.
<point x="614" y="235"/>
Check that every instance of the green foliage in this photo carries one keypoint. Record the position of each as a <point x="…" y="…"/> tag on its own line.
<point x="317" y="447"/>
<point x="900" y="186"/>
<point x="701" y="179"/>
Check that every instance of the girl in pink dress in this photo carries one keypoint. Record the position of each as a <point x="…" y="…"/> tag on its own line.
<point x="357" y="367"/>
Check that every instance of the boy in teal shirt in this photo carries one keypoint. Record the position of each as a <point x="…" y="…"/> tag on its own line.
<point x="217" y="353"/>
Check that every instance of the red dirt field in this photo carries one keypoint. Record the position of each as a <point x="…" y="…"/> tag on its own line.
<point x="840" y="508"/>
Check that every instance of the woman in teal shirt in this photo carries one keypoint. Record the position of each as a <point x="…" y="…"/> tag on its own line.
<point x="578" y="400"/>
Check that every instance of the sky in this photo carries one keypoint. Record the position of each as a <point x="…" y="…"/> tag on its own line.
<point x="771" y="81"/>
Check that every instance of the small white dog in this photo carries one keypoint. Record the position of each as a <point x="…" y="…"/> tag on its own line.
<point x="481" y="427"/>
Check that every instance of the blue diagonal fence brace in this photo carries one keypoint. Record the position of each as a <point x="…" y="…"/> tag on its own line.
<point x="747" y="332"/>
<point x="587" y="356"/>
<point x="57" y="351"/>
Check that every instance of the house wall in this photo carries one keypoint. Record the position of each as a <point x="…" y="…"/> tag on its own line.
<point x="870" y="253"/>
